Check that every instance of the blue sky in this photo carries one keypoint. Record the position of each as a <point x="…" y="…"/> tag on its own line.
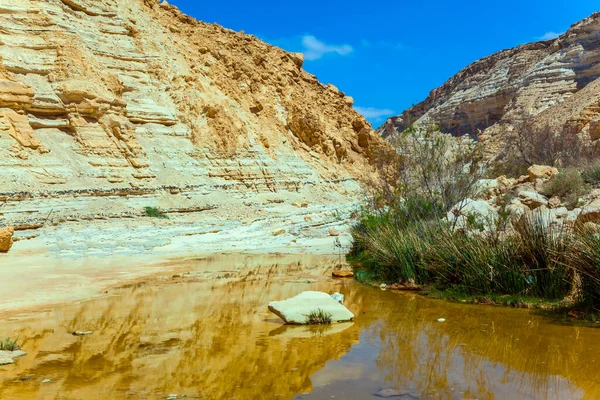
<point x="389" y="54"/>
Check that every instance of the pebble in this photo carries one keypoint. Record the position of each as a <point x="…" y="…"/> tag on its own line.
<point x="81" y="333"/>
<point x="442" y="320"/>
<point x="46" y="381"/>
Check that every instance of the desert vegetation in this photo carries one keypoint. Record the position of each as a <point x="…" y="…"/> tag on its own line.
<point x="154" y="212"/>
<point x="318" y="317"/>
<point x="428" y="230"/>
<point x="8" y="344"/>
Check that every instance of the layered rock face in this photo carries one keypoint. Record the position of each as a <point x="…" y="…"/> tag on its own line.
<point x="556" y="81"/>
<point x="107" y="106"/>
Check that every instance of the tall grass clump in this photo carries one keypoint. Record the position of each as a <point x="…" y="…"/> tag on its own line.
<point x="584" y="258"/>
<point x="8" y="344"/>
<point x="532" y="262"/>
<point x="319" y="317"/>
<point x="413" y="234"/>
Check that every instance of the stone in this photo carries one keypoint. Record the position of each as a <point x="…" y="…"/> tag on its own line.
<point x="482" y="212"/>
<point x="82" y="333"/>
<point x="543" y="172"/>
<point x="532" y="199"/>
<point x="279" y="232"/>
<point x="6" y="238"/>
<point x="554" y="202"/>
<point x="295" y="310"/>
<point x="333" y="232"/>
<point x="8" y="357"/>
<point x="338" y="297"/>
<point x="6" y="361"/>
<point x="588" y="214"/>
<point x="342" y="274"/>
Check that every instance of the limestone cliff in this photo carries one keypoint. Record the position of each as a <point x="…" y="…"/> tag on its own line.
<point x="107" y="106"/>
<point x="556" y="81"/>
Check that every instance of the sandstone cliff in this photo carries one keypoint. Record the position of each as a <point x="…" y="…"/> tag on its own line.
<point x="107" y="106"/>
<point x="555" y="81"/>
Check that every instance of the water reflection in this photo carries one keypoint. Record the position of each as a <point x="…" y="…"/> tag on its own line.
<point x="216" y="339"/>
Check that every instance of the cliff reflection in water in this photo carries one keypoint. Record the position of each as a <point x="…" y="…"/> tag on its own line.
<point x="217" y="340"/>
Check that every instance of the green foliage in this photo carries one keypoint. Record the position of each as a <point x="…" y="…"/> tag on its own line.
<point x="584" y="257"/>
<point x="592" y="175"/>
<point x="154" y="212"/>
<point x="569" y="185"/>
<point x="318" y="317"/>
<point x="396" y="248"/>
<point x="405" y="234"/>
<point x="440" y="168"/>
<point x="8" y="344"/>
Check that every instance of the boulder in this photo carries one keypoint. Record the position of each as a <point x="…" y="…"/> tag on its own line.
<point x="295" y="311"/>
<point x="541" y="172"/>
<point x="483" y="213"/>
<point x="588" y="214"/>
<point x="554" y="202"/>
<point x="333" y="232"/>
<point x="532" y="199"/>
<point x="6" y="235"/>
<point x="6" y="361"/>
<point x="342" y="274"/>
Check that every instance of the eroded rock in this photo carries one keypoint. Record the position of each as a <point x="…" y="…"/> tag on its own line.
<point x="6" y="241"/>
<point x="295" y="311"/>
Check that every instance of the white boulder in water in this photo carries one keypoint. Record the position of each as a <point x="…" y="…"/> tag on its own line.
<point x="296" y="310"/>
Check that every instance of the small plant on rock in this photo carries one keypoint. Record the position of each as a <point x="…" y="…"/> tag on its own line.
<point x="319" y="317"/>
<point x="154" y="212"/>
<point x="8" y="344"/>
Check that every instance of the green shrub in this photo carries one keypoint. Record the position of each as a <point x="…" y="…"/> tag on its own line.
<point x="8" y="344"/>
<point x="592" y="175"/>
<point x="154" y="212"/>
<point x="568" y="185"/>
<point x="318" y="317"/>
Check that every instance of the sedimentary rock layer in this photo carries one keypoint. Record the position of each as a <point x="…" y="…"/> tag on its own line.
<point x="103" y="102"/>
<point x="556" y="81"/>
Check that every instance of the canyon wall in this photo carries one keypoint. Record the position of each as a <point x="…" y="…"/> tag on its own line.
<point x="555" y="81"/>
<point x="110" y="106"/>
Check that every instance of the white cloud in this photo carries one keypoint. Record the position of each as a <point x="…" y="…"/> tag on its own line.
<point x="376" y="114"/>
<point x="549" y="35"/>
<point x="314" y="49"/>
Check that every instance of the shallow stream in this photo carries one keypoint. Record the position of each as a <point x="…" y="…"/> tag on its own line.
<point x="193" y="337"/>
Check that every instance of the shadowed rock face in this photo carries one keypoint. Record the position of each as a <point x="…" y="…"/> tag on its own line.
<point x="535" y="79"/>
<point x="116" y="100"/>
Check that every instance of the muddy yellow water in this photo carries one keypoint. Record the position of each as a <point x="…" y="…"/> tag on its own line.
<point x="215" y="339"/>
